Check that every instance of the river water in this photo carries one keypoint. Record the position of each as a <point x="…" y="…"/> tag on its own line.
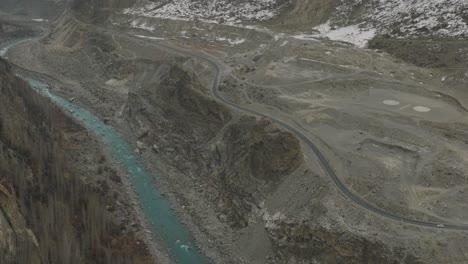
<point x="165" y="225"/>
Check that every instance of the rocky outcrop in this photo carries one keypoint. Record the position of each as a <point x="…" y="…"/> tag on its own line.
<point x="242" y="156"/>
<point x="305" y="241"/>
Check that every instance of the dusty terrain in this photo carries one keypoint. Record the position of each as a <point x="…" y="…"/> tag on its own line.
<point x="249" y="189"/>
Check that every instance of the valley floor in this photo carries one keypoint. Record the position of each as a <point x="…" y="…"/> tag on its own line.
<point x="248" y="190"/>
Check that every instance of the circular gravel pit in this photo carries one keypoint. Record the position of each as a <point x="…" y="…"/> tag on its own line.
<point x="421" y="109"/>
<point x="390" y="102"/>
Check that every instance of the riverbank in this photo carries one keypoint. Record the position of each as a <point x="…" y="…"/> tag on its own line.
<point x="158" y="213"/>
<point x="56" y="192"/>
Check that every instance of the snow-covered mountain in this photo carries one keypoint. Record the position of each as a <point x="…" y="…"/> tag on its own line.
<point x="355" y="21"/>
<point x="217" y="10"/>
<point x="402" y="18"/>
<point x="358" y="21"/>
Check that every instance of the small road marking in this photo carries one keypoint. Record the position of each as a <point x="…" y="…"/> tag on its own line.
<point x="401" y="108"/>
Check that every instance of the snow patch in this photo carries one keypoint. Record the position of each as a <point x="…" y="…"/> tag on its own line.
<point x="149" y="37"/>
<point x="303" y="36"/>
<point x="355" y="34"/>
<point x="115" y="82"/>
<point x="137" y="23"/>
<point x="236" y="41"/>
<point x="40" y="20"/>
<point x="284" y="43"/>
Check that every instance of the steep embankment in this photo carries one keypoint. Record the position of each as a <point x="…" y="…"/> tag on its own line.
<point x="48" y="214"/>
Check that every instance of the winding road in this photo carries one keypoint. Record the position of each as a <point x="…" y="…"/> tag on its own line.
<point x="327" y="167"/>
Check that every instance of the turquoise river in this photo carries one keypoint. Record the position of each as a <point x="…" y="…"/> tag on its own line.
<point x="165" y="225"/>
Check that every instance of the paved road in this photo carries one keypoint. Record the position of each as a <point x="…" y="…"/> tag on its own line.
<point x="327" y="167"/>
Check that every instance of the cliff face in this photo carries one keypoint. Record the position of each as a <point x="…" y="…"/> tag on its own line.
<point x="47" y="213"/>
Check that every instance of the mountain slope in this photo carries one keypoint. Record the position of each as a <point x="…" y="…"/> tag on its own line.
<point x="354" y="21"/>
<point x="441" y="18"/>
<point x="218" y="10"/>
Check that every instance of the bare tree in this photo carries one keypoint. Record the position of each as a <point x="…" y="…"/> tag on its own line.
<point x="2" y="25"/>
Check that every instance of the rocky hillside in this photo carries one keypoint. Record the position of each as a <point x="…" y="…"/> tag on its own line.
<point x="10" y="31"/>
<point x="35" y="9"/>
<point x="359" y="21"/>
<point x="242" y="158"/>
<point x="416" y="18"/>
<point x="47" y="213"/>
<point x="96" y="10"/>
